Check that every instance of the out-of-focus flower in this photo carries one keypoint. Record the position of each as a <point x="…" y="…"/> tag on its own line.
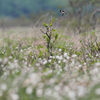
<point x="37" y="64"/>
<point x="5" y="60"/>
<point x="60" y="50"/>
<point x="32" y="79"/>
<point x="3" y="87"/>
<point x="65" y="54"/>
<point x="59" y="57"/>
<point x="48" y="92"/>
<point x="97" y="64"/>
<point x="14" y="96"/>
<point x="72" y="95"/>
<point x="49" y="60"/>
<point x="81" y="91"/>
<point x="44" y="62"/>
<point x="39" y="92"/>
<point x="74" y="55"/>
<point x="97" y="91"/>
<point x="29" y="90"/>
<point x="94" y="71"/>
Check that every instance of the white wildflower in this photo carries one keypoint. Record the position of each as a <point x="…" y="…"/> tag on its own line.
<point x="97" y="91"/>
<point x="64" y="60"/>
<point x="10" y="57"/>
<point x="3" y="87"/>
<point x="48" y="72"/>
<point x="14" y="96"/>
<point x="66" y="68"/>
<point x="94" y="71"/>
<point x="48" y="92"/>
<point x="44" y="62"/>
<point x="68" y="57"/>
<point x="32" y="79"/>
<point x="57" y="88"/>
<point x="74" y="55"/>
<point x="97" y="55"/>
<point x="39" y="59"/>
<point x="37" y="64"/>
<point x="81" y="91"/>
<point x="21" y="50"/>
<point x="51" y="57"/>
<point x="66" y="89"/>
<point x="59" y="57"/>
<point x="72" y="95"/>
<point x="60" y="50"/>
<point x="59" y="62"/>
<point x="84" y="63"/>
<point x="97" y="64"/>
<point x="49" y="60"/>
<point x="29" y="90"/>
<point x="15" y="61"/>
<point x="39" y="92"/>
<point x="5" y="60"/>
<point x="65" y="54"/>
<point x="80" y="66"/>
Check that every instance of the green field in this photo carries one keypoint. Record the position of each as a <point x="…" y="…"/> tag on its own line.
<point x="28" y="72"/>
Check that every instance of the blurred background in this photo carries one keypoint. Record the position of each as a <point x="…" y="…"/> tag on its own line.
<point x="35" y="12"/>
<point x="17" y="8"/>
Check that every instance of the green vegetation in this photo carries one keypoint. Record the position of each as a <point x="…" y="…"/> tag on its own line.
<point x="33" y="72"/>
<point x="53" y="62"/>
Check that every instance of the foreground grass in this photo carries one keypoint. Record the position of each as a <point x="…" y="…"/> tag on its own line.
<point x="72" y="73"/>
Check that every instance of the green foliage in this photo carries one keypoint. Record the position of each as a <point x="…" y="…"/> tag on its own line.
<point x="91" y="48"/>
<point x="26" y="73"/>
<point x="50" y="36"/>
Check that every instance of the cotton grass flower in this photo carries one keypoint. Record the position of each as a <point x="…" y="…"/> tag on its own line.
<point x="81" y="91"/>
<point x="37" y="64"/>
<point x="74" y="56"/>
<point x="44" y="62"/>
<point x="59" y="57"/>
<point x="3" y="87"/>
<point x="72" y="95"/>
<point x="60" y="50"/>
<point x="29" y="90"/>
<point x="39" y="92"/>
<point x="97" y="64"/>
<point x="14" y="96"/>
<point x="5" y="60"/>
<point x="49" y="60"/>
<point x="33" y="79"/>
<point x="65" y="54"/>
<point x="94" y="71"/>
<point x="97" y="91"/>
<point x="48" y="92"/>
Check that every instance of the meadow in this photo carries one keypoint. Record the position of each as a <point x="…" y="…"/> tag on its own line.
<point x="30" y="71"/>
